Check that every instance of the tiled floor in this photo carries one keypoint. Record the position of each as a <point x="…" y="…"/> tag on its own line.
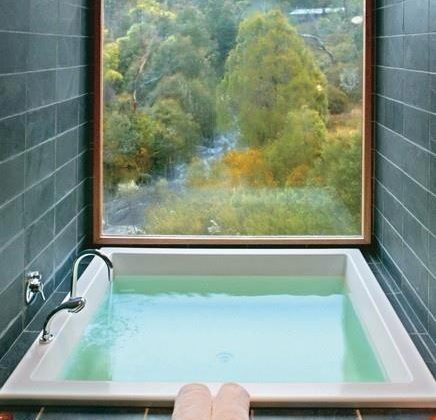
<point x="54" y="413"/>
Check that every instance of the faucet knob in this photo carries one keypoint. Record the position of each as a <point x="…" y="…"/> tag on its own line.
<point x="41" y="290"/>
<point x="34" y="285"/>
<point x="34" y="275"/>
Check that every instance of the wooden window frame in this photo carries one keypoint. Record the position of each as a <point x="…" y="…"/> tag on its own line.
<point x="99" y="238"/>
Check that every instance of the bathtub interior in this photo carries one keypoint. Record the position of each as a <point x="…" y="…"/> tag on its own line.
<point x="197" y="264"/>
<point x="263" y="329"/>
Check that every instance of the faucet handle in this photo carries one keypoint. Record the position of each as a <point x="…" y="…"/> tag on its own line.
<point x="34" y="275"/>
<point x="41" y="290"/>
<point x="34" y="285"/>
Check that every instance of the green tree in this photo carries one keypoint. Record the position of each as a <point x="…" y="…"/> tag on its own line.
<point x="269" y="73"/>
<point x="176" y="135"/>
<point x="177" y="54"/>
<point x="127" y="152"/>
<point x="194" y="95"/>
<point x="111" y="62"/>
<point x="148" y="22"/>
<point x="340" y="168"/>
<point x="222" y="18"/>
<point x="298" y="145"/>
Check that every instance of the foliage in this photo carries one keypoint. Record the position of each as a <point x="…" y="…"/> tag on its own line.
<point x="269" y="73"/>
<point x="176" y="134"/>
<point x="195" y="97"/>
<point x="126" y="147"/>
<point x="222" y="19"/>
<point x="160" y="68"/>
<point x="298" y="145"/>
<point x="248" y="167"/>
<point x="180" y="73"/>
<point x="248" y="211"/>
<point x="339" y="103"/>
<point x="340" y="167"/>
<point x="111" y="60"/>
<point x="344" y="40"/>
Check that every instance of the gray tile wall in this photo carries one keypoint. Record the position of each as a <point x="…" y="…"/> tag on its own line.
<point x="44" y="148"/>
<point x="405" y="153"/>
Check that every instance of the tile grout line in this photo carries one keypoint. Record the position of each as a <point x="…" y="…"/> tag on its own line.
<point x="408" y="246"/>
<point x="42" y="70"/>
<point x="41" y="412"/>
<point x="406" y="69"/>
<point x="56" y="203"/>
<point x="418" y="183"/>
<point x="43" y="307"/>
<point x="424" y="344"/>
<point x="52" y="34"/>
<point x="401" y="135"/>
<point x="41" y="107"/>
<point x="8" y="326"/>
<point x="400" y="300"/>
<point x="385" y="188"/>
<point x="36" y="146"/>
<point x="406" y="312"/>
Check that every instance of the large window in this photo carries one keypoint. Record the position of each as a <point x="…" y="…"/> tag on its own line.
<point x="232" y="121"/>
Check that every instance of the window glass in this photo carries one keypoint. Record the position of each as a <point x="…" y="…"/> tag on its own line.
<point x="233" y="117"/>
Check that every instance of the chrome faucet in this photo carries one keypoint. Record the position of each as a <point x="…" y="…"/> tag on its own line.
<point x="72" y="305"/>
<point x="84" y="254"/>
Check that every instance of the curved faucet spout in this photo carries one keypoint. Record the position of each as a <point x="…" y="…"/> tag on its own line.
<point x="84" y="254"/>
<point x="72" y="305"/>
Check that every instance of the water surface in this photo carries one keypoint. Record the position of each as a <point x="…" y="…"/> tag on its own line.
<point x="216" y="329"/>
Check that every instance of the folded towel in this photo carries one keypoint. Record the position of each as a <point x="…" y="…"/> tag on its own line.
<point x="231" y="403"/>
<point x="194" y="402"/>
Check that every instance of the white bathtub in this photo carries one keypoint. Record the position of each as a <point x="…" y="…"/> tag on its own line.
<point x="409" y="382"/>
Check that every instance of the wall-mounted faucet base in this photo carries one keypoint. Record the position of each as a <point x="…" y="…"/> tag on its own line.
<point x="34" y="285"/>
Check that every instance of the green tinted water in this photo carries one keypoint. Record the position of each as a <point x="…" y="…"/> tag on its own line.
<point x="217" y="329"/>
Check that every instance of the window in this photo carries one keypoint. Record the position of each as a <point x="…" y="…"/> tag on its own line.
<point x="233" y="121"/>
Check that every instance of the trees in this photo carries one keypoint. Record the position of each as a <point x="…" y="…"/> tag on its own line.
<point x="297" y="147"/>
<point x="127" y="140"/>
<point x="269" y="73"/>
<point x="275" y="94"/>
<point x="179" y="74"/>
<point x="343" y="40"/>
<point x="195" y="96"/>
<point x="340" y="168"/>
<point x="158" y="70"/>
<point x="222" y="18"/>
<point x="175" y="137"/>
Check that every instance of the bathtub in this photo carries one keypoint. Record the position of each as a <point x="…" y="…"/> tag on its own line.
<point x="408" y="382"/>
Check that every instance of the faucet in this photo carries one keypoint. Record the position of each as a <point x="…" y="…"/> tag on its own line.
<point x="83" y="254"/>
<point x="72" y="305"/>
